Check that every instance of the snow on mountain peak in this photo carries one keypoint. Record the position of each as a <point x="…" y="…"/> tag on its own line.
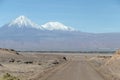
<point x="57" y="26"/>
<point x="23" y="21"/>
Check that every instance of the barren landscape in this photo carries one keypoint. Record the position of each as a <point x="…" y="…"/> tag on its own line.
<point x="58" y="66"/>
<point x="27" y="65"/>
<point x="107" y="65"/>
<point x="59" y="39"/>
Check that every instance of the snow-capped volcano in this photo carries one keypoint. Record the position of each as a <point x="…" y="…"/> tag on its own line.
<point x="22" y="22"/>
<point x="23" y="34"/>
<point x="57" y="26"/>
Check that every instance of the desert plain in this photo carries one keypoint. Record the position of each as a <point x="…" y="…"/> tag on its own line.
<point x="16" y="65"/>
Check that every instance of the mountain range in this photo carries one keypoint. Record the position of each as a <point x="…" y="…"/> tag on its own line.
<point x="23" y="34"/>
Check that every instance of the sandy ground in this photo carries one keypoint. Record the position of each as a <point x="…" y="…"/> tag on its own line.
<point x="76" y="69"/>
<point x="27" y="65"/>
<point x="53" y="66"/>
<point x="107" y="65"/>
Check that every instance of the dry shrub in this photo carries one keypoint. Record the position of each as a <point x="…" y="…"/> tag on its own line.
<point x="8" y="76"/>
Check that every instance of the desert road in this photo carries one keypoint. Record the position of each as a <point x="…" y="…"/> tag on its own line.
<point x="77" y="69"/>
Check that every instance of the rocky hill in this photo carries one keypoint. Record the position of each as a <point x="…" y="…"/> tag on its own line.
<point x="8" y="51"/>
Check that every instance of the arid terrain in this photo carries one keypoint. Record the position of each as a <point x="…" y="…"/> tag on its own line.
<point x="107" y="65"/>
<point x="27" y="65"/>
<point x="62" y="66"/>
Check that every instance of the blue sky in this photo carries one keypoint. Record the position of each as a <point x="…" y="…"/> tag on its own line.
<point x="97" y="16"/>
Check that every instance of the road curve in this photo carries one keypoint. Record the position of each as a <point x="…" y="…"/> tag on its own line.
<point x="77" y="69"/>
